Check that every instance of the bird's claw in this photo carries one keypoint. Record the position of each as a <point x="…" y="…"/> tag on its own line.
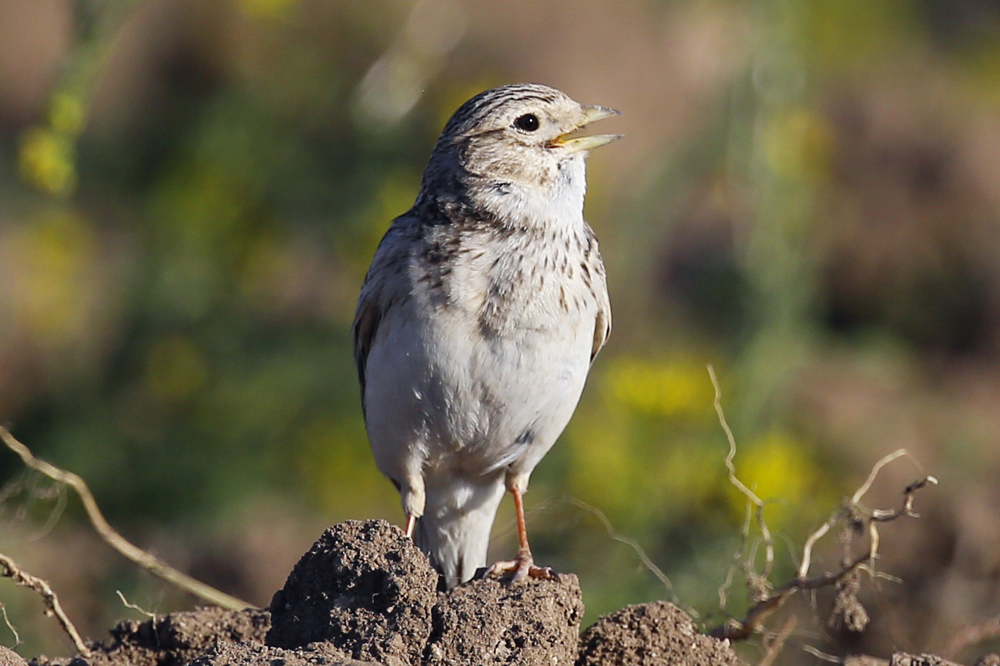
<point x="523" y="567"/>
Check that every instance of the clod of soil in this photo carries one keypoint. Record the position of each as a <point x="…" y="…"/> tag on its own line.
<point x="493" y="622"/>
<point x="255" y="654"/>
<point x="171" y="640"/>
<point x="10" y="658"/>
<point x="365" y="588"/>
<point x="653" y="633"/>
<point x="904" y="659"/>
<point x="900" y="659"/>
<point x="364" y="595"/>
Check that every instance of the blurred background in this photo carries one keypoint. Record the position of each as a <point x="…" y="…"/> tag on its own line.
<point x="808" y="197"/>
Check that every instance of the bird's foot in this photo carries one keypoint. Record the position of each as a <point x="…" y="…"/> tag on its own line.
<point x="523" y="567"/>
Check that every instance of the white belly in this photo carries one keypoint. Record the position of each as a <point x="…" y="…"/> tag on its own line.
<point x="438" y="389"/>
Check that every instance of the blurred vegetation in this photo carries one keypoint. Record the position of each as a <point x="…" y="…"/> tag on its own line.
<point x="808" y="198"/>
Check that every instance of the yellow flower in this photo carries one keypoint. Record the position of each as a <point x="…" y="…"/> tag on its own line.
<point x="798" y="144"/>
<point x="46" y="161"/>
<point x="779" y="469"/>
<point x="661" y="388"/>
<point x="51" y="274"/>
<point x="66" y="114"/>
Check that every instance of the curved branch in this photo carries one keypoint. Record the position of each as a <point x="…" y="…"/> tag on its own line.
<point x="9" y="569"/>
<point x="147" y="561"/>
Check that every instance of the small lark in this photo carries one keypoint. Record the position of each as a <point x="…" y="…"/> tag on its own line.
<point x="479" y="318"/>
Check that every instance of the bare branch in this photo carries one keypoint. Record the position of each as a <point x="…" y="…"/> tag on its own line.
<point x="138" y="609"/>
<point x="873" y="474"/>
<point x="9" y="569"/>
<point x="819" y="654"/>
<point x="723" y="590"/>
<point x="777" y="643"/>
<point x="884" y="516"/>
<point x="852" y="514"/>
<point x="987" y="630"/>
<point x="34" y="490"/>
<point x="147" y="561"/>
<point x="735" y="630"/>
<point x="6" y="621"/>
<point x="749" y="494"/>
<point x="811" y="542"/>
<point x="54" y="515"/>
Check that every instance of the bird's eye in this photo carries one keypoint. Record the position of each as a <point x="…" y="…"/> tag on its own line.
<point x="528" y="122"/>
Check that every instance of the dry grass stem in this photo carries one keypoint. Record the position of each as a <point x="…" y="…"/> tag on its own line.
<point x="823" y="656"/>
<point x="147" y="561"/>
<point x="631" y="543"/>
<point x="735" y="630"/>
<point x="776" y="644"/>
<point x="731" y="470"/>
<point x="768" y="602"/>
<point x="6" y="621"/>
<point x="131" y="606"/>
<point x="10" y="569"/>
<point x="988" y="630"/>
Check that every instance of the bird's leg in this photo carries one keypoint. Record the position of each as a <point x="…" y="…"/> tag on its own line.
<point x="413" y="496"/>
<point x="524" y="565"/>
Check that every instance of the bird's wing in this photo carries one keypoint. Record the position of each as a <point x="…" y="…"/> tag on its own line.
<point x="602" y="323"/>
<point x="386" y="277"/>
<point x="602" y="329"/>
<point x="366" y="321"/>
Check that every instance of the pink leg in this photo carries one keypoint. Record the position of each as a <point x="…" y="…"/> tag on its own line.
<point x="524" y="565"/>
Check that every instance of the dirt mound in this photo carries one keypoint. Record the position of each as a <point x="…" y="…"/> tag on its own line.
<point x="10" y="658"/>
<point x="363" y="594"/>
<point x="491" y="622"/>
<point x="365" y="588"/>
<point x="654" y="633"/>
<point x="172" y="640"/>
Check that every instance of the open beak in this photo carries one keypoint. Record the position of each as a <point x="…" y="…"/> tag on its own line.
<point x="576" y="144"/>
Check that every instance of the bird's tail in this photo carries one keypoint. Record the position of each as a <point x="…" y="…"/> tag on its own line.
<point x="455" y="528"/>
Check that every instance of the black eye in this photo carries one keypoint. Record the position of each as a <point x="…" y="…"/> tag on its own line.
<point x="528" y="122"/>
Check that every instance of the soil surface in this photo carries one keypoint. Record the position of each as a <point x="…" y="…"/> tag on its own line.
<point x="654" y="633"/>
<point x="363" y="594"/>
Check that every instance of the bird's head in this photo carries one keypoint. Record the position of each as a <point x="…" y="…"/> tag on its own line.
<point x="516" y="148"/>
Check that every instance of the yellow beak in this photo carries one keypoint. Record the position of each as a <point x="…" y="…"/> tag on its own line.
<point x="590" y="114"/>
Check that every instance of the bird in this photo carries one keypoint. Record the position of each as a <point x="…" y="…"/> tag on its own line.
<point x="479" y="318"/>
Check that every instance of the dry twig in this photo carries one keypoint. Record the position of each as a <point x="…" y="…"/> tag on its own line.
<point x="735" y="630"/>
<point x="6" y="621"/>
<point x="147" y="561"/>
<point x="776" y="644"/>
<point x="852" y="512"/>
<point x="987" y="630"/>
<point x="127" y="604"/>
<point x="9" y="569"/>
<point x="731" y="469"/>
